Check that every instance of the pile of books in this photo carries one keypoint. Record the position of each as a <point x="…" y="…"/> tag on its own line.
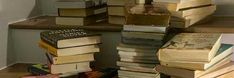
<point x="187" y="12"/>
<point x="80" y="12"/>
<point x="140" y="43"/>
<point x="116" y="10"/>
<point x="195" y="55"/>
<point x="69" y="50"/>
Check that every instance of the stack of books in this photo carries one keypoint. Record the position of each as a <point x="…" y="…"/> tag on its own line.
<point x="117" y="11"/>
<point x="69" y="50"/>
<point x="195" y="55"/>
<point x="80" y="12"/>
<point x="187" y="12"/>
<point x="137" y="51"/>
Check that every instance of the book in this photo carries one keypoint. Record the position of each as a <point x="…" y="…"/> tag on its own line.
<point x="39" y="69"/>
<point x="120" y="2"/>
<point x="220" y="71"/>
<point x="139" y="61"/>
<point x="69" y="51"/>
<point x="145" y="28"/>
<point x="137" y="69"/>
<point x="143" y="35"/>
<point x="127" y="56"/>
<point x="146" y="54"/>
<point x="70" y="38"/>
<point x="147" y="15"/>
<point x="71" y="59"/>
<point x="71" y="67"/>
<point x="130" y="74"/>
<point x="130" y="64"/>
<point x="138" y="41"/>
<point x="116" y="10"/>
<point x="193" y="11"/>
<point x="81" y="12"/>
<point x="203" y="47"/>
<point x="79" y="3"/>
<point x="185" y="73"/>
<point x="177" y="5"/>
<point x="81" y="21"/>
<point x="224" y="51"/>
<point x="116" y="20"/>
<point x="227" y="75"/>
<point x="136" y="48"/>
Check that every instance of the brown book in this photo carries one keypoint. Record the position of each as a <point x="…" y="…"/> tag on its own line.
<point x="176" y="5"/>
<point x="147" y="15"/>
<point x="116" y="20"/>
<point x="116" y="10"/>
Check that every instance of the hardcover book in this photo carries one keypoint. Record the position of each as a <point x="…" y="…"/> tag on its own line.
<point x="177" y="5"/>
<point x="70" y="38"/>
<point x="69" y="51"/>
<point x="203" y="47"/>
<point x="224" y="51"/>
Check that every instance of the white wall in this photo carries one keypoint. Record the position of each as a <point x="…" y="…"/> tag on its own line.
<point x="10" y="11"/>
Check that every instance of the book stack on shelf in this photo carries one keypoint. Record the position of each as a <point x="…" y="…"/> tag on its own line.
<point x="80" y="12"/>
<point x="116" y="11"/>
<point x="69" y="50"/>
<point x="195" y="55"/>
<point x="187" y="12"/>
<point x="137" y="50"/>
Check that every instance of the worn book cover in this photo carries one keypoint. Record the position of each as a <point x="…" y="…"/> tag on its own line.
<point x="202" y="47"/>
<point x="69" y="37"/>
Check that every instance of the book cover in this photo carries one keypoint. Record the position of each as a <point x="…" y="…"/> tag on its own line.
<point x="69" y="37"/>
<point x="69" y="51"/>
<point x="203" y="47"/>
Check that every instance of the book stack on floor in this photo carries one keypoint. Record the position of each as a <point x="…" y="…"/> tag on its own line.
<point x="69" y="50"/>
<point x="195" y="55"/>
<point x="137" y="49"/>
<point x="80" y="12"/>
<point x="187" y="12"/>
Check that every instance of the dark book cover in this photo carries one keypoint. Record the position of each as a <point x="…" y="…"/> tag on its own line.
<point x="53" y="36"/>
<point x="39" y="69"/>
<point x="146" y="42"/>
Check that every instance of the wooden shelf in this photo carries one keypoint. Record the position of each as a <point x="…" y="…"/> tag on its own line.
<point x="48" y="23"/>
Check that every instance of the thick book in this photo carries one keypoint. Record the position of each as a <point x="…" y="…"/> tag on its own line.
<point x="69" y="51"/>
<point x="70" y="38"/>
<point x="139" y="41"/>
<point x="81" y="21"/>
<point x="224" y="51"/>
<point x="116" y="20"/>
<point x="81" y="12"/>
<point x="116" y="10"/>
<point x="143" y="35"/>
<point x="147" y="15"/>
<point x="192" y="11"/>
<point x="131" y="74"/>
<point x="70" y="59"/>
<point x="71" y="67"/>
<point x="79" y="4"/>
<point x="173" y="5"/>
<point x="203" y="47"/>
<point x="185" y="73"/>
